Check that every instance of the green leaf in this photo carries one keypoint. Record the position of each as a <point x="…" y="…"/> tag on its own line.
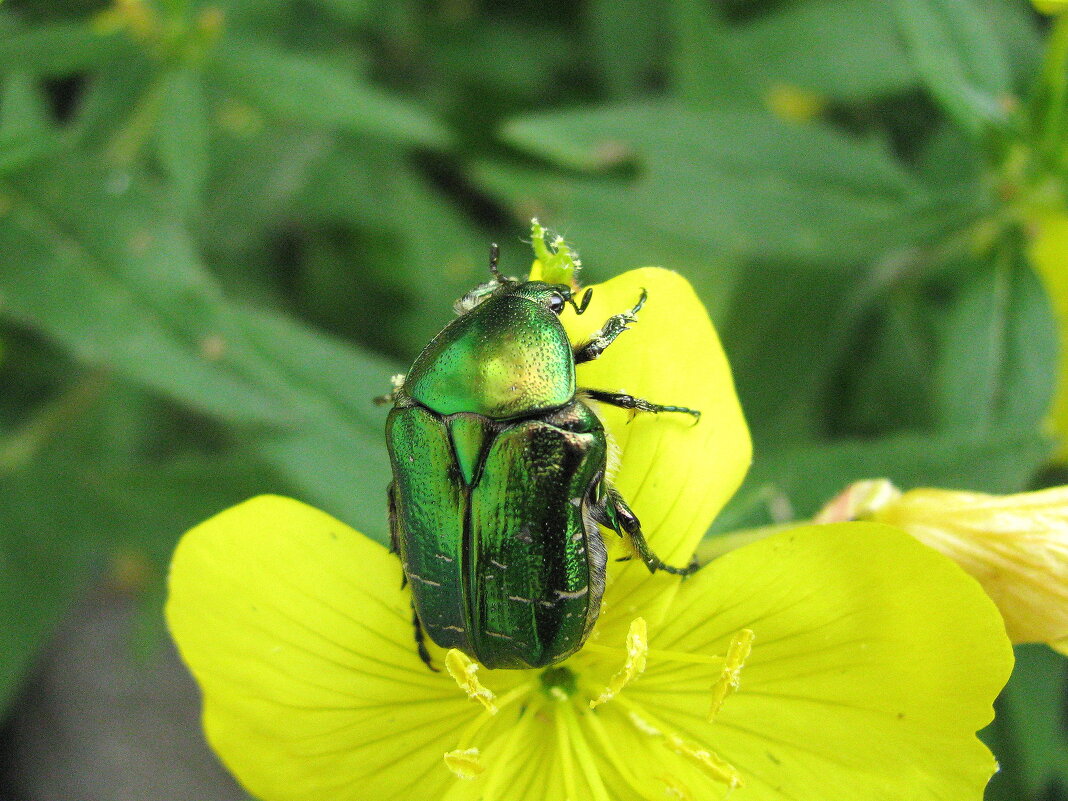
<point x="337" y="457"/>
<point x="630" y="36"/>
<point x="846" y="50"/>
<point x="48" y="545"/>
<point x="886" y="381"/>
<point x="98" y="265"/>
<point x="783" y="331"/>
<point x="23" y="109"/>
<point x="1033" y="706"/>
<point x="737" y="184"/>
<point x="843" y="50"/>
<point x="27" y="133"/>
<point x="310" y="90"/>
<point x="998" y="350"/>
<point x="413" y="264"/>
<point x="20" y="150"/>
<point x="56" y="49"/>
<point x="709" y="64"/>
<point x="106" y="273"/>
<point x="182" y="134"/>
<point x="960" y="59"/>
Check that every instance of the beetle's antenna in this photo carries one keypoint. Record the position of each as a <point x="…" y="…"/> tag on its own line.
<point x="495" y="256"/>
<point x="580" y="307"/>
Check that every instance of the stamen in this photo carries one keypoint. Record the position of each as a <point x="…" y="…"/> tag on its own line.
<point x="642" y="725"/>
<point x="712" y="764"/>
<point x="633" y="666"/>
<point x="463" y="669"/>
<point x="673" y="788"/>
<point x="465" y="763"/>
<point x="730" y="678"/>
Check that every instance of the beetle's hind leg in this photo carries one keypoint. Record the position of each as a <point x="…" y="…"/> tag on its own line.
<point x="394" y="530"/>
<point x="420" y="641"/>
<point x="394" y="547"/>
<point x="612" y="328"/>
<point x="636" y="404"/>
<point x="613" y="512"/>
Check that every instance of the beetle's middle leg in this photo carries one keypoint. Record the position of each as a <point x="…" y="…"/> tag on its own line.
<point x="612" y="328"/>
<point x="613" y="512"/>
<point x="636" y="404"/>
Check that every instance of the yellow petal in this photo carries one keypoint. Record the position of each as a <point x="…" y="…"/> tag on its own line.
<point x="1049" y="256"/>
<point x="1015" y="545"/>
<point x="1051" y="6"/>
<point x="300" y="636"/>
<point x="874" y="662"/>
<point x="674" y="474"/>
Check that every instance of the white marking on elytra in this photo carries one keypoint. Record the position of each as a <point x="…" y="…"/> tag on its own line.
<point x="562" y="594"/>
<point x="421" y="580"/>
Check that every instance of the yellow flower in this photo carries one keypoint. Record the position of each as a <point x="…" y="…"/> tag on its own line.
<point x="1049" y="256"/>
<point x="1015" y="545"/>
<point x="1051" y="6"/>
<point x="829" y="662"/>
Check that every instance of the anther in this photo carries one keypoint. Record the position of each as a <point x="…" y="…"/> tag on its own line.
<point x="465" y="763"/>
<point x="633" y="666"/>
<point x="730" y="676"/>
<point x="713" y="765"/>
<point x="463" y="671"/>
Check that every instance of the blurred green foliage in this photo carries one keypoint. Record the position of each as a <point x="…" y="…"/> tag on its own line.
<point x="225" y="224"/>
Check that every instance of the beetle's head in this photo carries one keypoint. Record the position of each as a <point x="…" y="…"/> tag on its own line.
<point x="553" y="296"/>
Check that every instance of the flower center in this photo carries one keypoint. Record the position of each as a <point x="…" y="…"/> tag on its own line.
<point x="582" y="735"/>
<point x="559" y="682"/>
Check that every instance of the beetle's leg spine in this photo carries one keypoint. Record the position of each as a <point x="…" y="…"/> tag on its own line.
<point x="394" y="530"/>
<point x="615" y="514"/>
<point x="636" y="404"/>
<point x="420" y="641"/>
<point x="612" y="328"/>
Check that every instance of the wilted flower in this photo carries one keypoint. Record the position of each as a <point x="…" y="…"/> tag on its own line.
<point x="1015" y="545"/>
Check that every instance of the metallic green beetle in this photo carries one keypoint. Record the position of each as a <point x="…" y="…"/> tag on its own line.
<point x="499" y="478"/>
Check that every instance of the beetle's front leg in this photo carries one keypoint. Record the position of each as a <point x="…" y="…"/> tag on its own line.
<point x="613" y="512"/>
<point x="636" y="404"/>
<point x="612" y="328"/>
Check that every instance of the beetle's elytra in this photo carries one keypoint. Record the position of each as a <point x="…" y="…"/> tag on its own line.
<point x="499" y="478"/>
